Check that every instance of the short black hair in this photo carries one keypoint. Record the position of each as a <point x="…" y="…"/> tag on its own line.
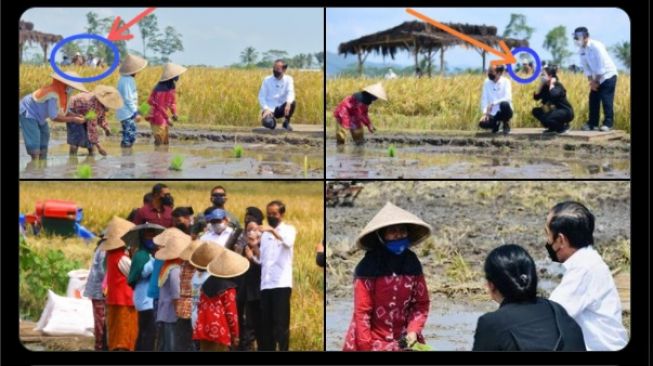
<point x="285" y="65"/>
<point x="255" y="213"/>
<point x="551" y="70"/>
<point x="147" y="198"/>
<point x="573" y="220"/>
<point x="218" y="187"/>
<point x="583" y="30"/>
<point x="182" y="211"/>
<point x="157" y="188"/>
<point x="512" y="271"/>
<point x="500" y="68"/>
<point x="281" y="205"/>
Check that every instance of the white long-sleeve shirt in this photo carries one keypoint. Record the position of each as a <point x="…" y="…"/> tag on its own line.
<point x="596" y="61"/>
<point x="276" y="257"/>
<point x="129" y="93"/>
<point x="589" y="295"/>
<point x="494" y="93"/>
<point x="275" y="92"/>
<point x="220" y="239"/>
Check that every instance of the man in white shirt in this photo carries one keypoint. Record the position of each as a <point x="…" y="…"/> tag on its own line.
<point x="276" y="252"/>
<point x="587" y="290"/>
<point x="601" y="73"/>
<point x="219" y="231"/>
<point x="496" y="101"/>
<point x="277" y="97"/>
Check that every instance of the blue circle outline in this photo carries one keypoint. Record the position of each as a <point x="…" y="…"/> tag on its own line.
<point x="536" y="72"/>
<point x="111" y="45"/>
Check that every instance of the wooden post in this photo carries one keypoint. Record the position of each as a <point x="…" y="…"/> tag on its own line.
<point x="44" y="46"/>
<point x="416" y="46"/>
<point x="360" y="62"/>
<point x="442" y="61"/>
<point x="483" y="58"/>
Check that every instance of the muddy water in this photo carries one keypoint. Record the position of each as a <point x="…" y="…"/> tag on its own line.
<point x="427" y="161"/>
<point x="202" y="159"/>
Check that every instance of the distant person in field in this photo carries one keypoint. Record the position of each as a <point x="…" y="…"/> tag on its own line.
<point x="50" y="102"/>
<point x="556" y="112"/>
<point x="93" y="107"/>
<point x="391" y="299"/>
<point x="163" y="99"/>
<point x="352" y="113"/>
<point x="65" y="61"/>
<point x="128" y="115"/>
<point x="496" y="101"/>
<point x="277" y="97"/>
<point x="602" y="75"/>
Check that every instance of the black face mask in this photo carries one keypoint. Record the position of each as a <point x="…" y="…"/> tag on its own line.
<point x="167" y="200"/>
<point x="492" y="76"/>
<point x="217" y="200"/>
<point x="276" y="73"/>
<point x="552" y="253"/>
<point x="273" y="221"/>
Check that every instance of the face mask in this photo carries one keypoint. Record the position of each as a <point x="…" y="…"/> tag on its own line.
<point x="219" y="228"/>
<point x="217" y="200"/>
<point x="149" y="244"/>
<point x="492" y="76"/>
<point x="183" y="228"/>
<point x="397" y="246"/>
<point x="273" y="221"/>
<point x="276" y="73"/>
<point x="579" y="42"/>
<point x="167" y="200"/>
<point x="552" y="253"/>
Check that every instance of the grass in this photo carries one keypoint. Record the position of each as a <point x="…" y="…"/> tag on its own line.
<point x="392" y="151"/>
<point x="453" y="102"/>
<point x="84" y="171"/>
<point x="144" y="109"/>
<point x="213" y="96"/>
<point x="304" y="201"/>
<point x="238" y="151"/>
<point x="91" y="115"/>
<point x="176" y="163"/>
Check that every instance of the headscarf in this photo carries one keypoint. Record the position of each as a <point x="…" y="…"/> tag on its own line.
<point x="56" y="90"/>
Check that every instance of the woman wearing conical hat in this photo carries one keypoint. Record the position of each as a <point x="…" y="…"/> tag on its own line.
<point x="352" y="113"/>
<point x="94" y="107"/>
<point x="391" y="301"/>
<point x="122" y="317"/>
<point x="129" y="114"/>
<point x="200" y="259"/>
<point x="163" y="99"/>
<point x="49" y="102"/>
<point x="217" y="315"/>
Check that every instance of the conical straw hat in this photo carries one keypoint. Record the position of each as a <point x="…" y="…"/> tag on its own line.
<point x="377" y="91"/>
<point x="116" y="228"/>
<point x="108" y="96"/>
<point x="185" y="255"/>
<point x="390" y="215"/>
<point x="77" y="85"/>
<point x="173" y="241"/>
<point x="171" y="70"/>
<point x="132" y="237"/>
<point x="204" y="254"/>
<point x="228" y="264"/>
<point x="132" y="64"/>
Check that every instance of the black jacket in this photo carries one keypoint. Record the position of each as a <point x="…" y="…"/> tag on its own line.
<point x="556" y="96"/>
<point x="542" y="325"/>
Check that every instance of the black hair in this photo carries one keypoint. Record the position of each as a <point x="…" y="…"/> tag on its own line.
<point x="157" y="188"/>
<point x="551" y="70"/>
<point x="500" y="68"/>
<point x="182" y="211"/>
<point x="255" y="213"/>
<point x="147" y="198"/>
<point x="218" y="187"/>
<point x="583" y="30"/>
<point x="285" y="65"/>
<point x="281" y="205"/>
<point x="512" y="271"/>
<point x="573" y="220"/>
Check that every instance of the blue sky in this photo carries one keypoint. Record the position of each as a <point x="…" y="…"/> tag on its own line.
<point x="608" y="25"/>
<point x="211" y="36"/>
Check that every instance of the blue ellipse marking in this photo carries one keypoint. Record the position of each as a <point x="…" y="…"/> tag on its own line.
<point x="536" y="72"/>
<point x="114" y="65"/>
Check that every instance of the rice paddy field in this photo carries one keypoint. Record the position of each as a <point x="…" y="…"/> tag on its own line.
<point x="206" y="97"/>
<point x="453" y="102"/>
<point x="103" y="200"/>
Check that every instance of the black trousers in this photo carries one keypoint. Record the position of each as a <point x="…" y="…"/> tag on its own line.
<point x="503" y="115"/>
<point x="556" y="120"/>
<point x="604" y="95"/>
<point x="167" y="341"/>
<point x="253" y="325"/>
<point x="146" y="331"/>
<point x="275" y="319"/>
<point x="279" y="112"/>
<point x="184" y="335"/>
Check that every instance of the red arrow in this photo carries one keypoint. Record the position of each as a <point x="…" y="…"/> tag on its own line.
<point x="119" y="33"/>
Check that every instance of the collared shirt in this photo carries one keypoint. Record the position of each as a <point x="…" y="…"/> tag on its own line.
<point x="276" y="257"/>
<point x="148" y="213"/>
<point x="129" y="93"/>
<point x="220" y="239"/>
<point x="168" y="293"/>
<point x="93" y="289"/>
<point x="275" y="92"/>
<point x="352" y="114"/>
<point x="596" y="61"/>
<point x="494" y="93"/>
<point x="141" y="301"/>
<point x="38" y="111"/>
<point x="589" y="295"/>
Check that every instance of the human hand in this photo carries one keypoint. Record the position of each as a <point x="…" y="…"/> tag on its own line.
<point x="411" y="338"/>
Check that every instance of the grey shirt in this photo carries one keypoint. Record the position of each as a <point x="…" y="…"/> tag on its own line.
<point x="93" y="288"/>
<point x="167" y="294"/>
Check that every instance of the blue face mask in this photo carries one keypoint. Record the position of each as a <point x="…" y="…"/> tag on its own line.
<point x="397" y="246"/>
<point x="149" y="244"/>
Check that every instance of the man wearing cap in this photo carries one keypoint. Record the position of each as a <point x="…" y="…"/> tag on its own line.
<point x="128" y="115"/>
<point x="601" y="73"/>
<point x="49" y="102"/>
<point x="159" y="211"/>
<point x="219" y="200"/>
<point x="219" y="231"/>
<point x="352" y="113"/>
<point x="98" y="103"/>
<point x="277" y="97"/>
<point x="276" y="253"/>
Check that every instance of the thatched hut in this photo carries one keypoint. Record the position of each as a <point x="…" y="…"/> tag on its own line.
<point x="422" y="38"/>
<point x="27" y="34"/>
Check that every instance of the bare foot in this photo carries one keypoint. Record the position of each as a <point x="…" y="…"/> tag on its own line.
<point x="101" y="150"/>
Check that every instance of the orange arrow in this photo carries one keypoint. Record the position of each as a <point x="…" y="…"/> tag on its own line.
<point x="119" y="33"/>
<point x="506" y="57"/>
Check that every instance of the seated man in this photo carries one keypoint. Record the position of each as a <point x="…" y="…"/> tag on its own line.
<point x="496" y="101"/>
<point x="277" y="97"/>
